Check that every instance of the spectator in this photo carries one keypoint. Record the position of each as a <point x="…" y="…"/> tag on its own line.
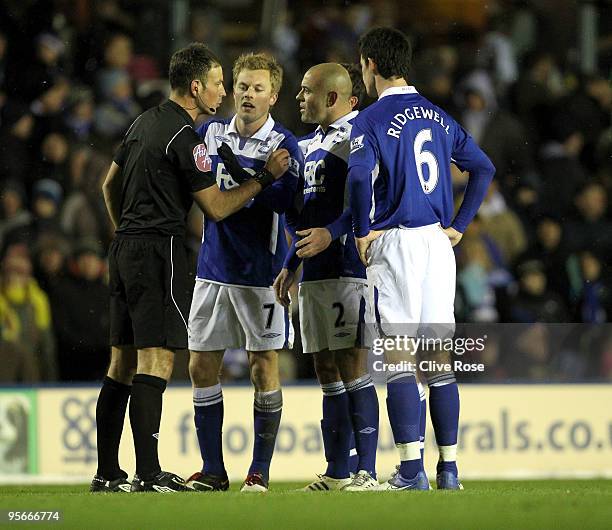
<point x="12" y="208"/>
<point x="536" y="92"/>
<point x="530" y="355"/>
<point x="590" y="227"/>
<point x="591" y="288"/>
<point x="80" y="315"/>
<point x="500" y="54"/>
<point x="477" y="297"/>
<point x="51" y="254"/>
<point x="533" y="302"/>
<point x="39" y="76"/>
<point x="118" y="108"/>
<point x="48" y="109"/>
<point x="53" y="163"/>
<point x="16" y="129"/>
<point x="84" y="213"/>
<point x="502" y="224"/>
<point x="560" y="167"/>
<point x="590" y="107"/>
<point x="550" y="249"/>
<point x="30" y="354"/>
<point x="80" y="118"/>
<point x="499" y="133"/>
<point x="46" y="200"/>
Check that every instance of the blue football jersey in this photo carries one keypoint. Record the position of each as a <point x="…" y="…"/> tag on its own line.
<point x="249" y="246"/>
<point x="326" y="198"/>
<point x="399" y="165"/>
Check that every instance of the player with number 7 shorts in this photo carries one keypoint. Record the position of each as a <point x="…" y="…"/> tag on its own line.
<point x="401" y="197"/>
<point x="233" y="301"/>
<point x="332" y="293"/>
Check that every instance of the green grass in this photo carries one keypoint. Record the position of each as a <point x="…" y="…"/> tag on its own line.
<point x="483" y="504"/>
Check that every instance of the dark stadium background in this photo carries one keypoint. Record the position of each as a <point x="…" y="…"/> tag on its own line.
<point x="529" y="79"/>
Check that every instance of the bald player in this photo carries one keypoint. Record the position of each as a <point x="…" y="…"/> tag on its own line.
<point x="333" y="289"/>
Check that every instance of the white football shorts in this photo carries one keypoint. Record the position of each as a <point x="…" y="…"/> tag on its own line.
<point x="331" y="313"/>
<point x="411" y="278"/>
<point x="227" y="316"/>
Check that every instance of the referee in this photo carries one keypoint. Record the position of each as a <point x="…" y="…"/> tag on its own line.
<point x="160" y="167"/>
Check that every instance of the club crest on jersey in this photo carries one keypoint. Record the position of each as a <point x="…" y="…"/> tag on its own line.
<point x="341" y="135"/>
<point x="356" y="143"/>
<point x="201" y="158"/>
<point x="264" y="147"/>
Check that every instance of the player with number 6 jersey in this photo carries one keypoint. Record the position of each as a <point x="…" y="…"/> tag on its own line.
<point x="401" y="197"/>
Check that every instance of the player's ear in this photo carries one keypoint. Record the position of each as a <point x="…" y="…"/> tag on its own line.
<point x="273" y="98"/>
<point x="332" y="97"/>
<point x="372" y="65"/>
<point x="353" y="101"/>
<point x="194" y="86"/>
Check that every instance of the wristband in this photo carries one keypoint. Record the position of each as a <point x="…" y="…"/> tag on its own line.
<point x="263" y="177"/>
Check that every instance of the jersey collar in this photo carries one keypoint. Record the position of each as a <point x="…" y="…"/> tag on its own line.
<point x="339" y="122"/>
<point x="398" y="90"/>
<point x="261" y="135"/>
<point x="173" y="105"/>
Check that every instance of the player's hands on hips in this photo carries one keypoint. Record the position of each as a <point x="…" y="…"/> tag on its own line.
<point x="278" y="163"/>
<point x="452" y="234"/>
<point x="314" y="241"/>
<point x="281" y="285"/>
<point x="363" y="244"/>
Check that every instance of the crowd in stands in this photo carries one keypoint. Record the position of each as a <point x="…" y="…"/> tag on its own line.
<point x="538" y="251"/>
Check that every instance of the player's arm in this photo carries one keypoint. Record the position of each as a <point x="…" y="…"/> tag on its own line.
<point x="217" y="205"/>
<point x="111" y="188"/>
<point x="316" y="240"/>
<point x="281" y="195"/>
<point x="286" y="276"/>
<point x="467" y="156"/>
<point x="187" y="151"/>
<point x="362" y="161"/>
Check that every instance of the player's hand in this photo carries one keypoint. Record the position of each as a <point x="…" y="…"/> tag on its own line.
<point x="281" y="285"/>
<point x="314" y="241"/>
<point x="363" y="244"/>
<point x="452" y="234"/>
<point x="278" y="163"/>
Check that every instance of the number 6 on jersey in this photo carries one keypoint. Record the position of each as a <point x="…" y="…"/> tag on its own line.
<point x="422" y="157"/>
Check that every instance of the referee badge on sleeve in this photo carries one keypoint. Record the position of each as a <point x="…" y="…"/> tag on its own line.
<point x="201" y="158"/>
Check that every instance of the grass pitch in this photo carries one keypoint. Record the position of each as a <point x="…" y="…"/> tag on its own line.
<point x="554" y="504"/>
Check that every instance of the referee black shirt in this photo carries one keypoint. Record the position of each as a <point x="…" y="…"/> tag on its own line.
<point x="162" y="160"/>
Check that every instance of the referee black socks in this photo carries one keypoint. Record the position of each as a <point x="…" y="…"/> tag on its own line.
<point x="145" y="417"/>
<point x="110" y="415"/>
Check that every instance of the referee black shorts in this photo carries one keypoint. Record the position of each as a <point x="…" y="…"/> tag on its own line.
<point x="150" y="290"/>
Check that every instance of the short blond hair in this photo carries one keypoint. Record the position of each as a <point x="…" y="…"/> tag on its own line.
<point x="260" y="61"/>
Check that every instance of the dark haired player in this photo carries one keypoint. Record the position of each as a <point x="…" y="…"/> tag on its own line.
<point x="402" y="207"/>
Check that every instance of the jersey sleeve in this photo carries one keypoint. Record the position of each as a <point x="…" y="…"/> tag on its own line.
<point x="292" y="261"/>
<point x="467" y="156"/>
<point x="188" y="152"/>
<point x="280" y="196"/>
<point x="342" y="225"/>
<point x="362" y="161"/>
<point x="121" y="153"/>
